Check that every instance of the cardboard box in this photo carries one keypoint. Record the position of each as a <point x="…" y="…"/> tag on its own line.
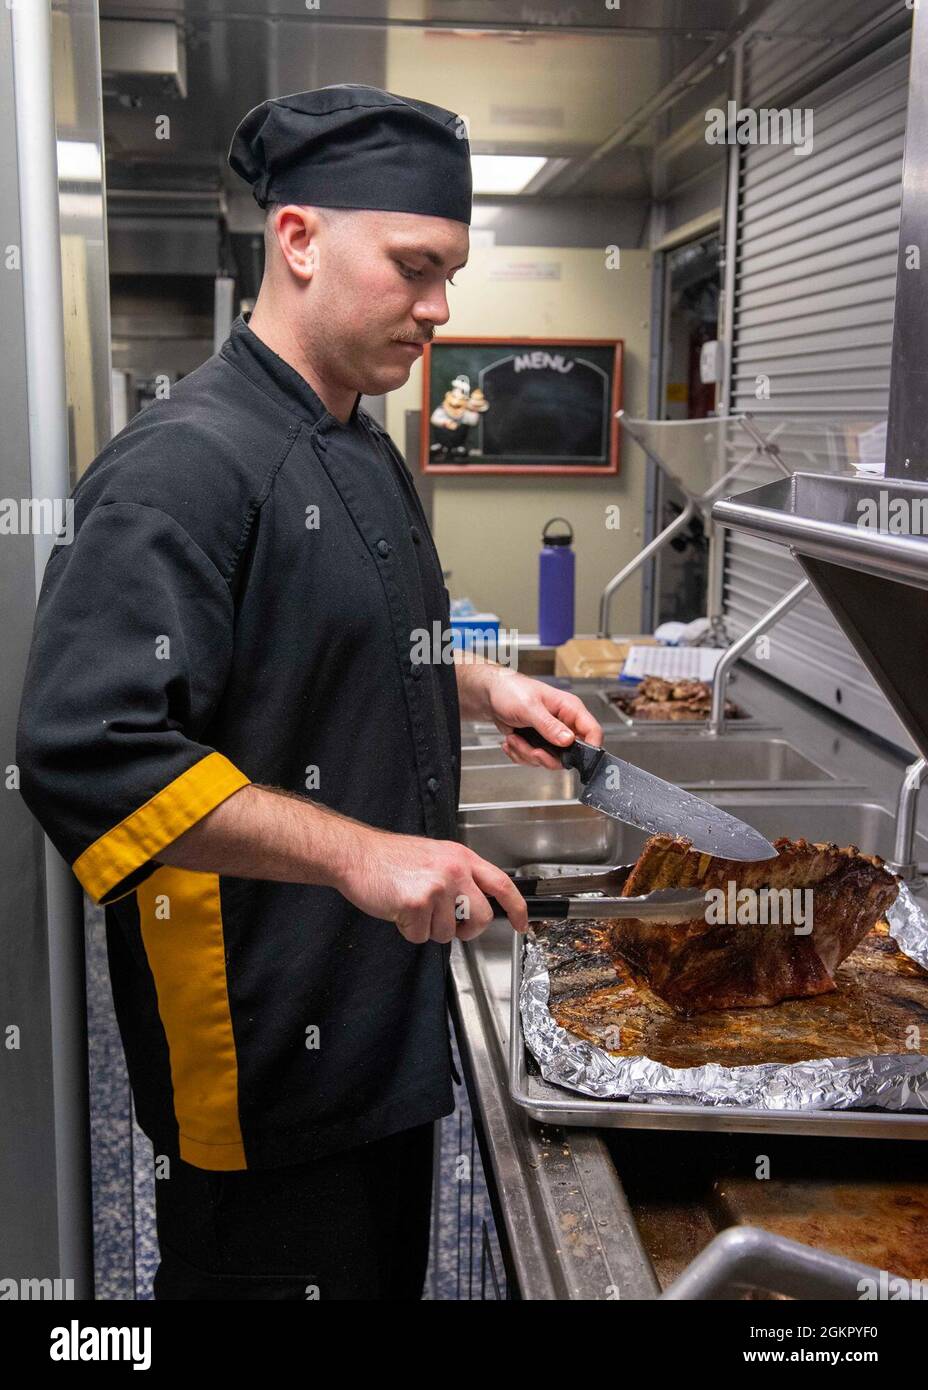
<point x="587" y="658"/>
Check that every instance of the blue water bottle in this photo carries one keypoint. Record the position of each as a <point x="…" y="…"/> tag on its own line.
<point x="556" y="586"/>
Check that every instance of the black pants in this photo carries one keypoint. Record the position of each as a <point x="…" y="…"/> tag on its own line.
<point x="351" y="1226"/>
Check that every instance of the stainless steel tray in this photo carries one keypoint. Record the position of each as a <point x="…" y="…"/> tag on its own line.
<point x="825" y="517"/>
<point x="664" y="726"/>
<point x="553" y="1105"/>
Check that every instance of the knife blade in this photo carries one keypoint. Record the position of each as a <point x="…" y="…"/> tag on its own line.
<point x="627" y="793"/>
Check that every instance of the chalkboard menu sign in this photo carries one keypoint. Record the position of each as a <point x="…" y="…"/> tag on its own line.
<point x="521" y="405"/>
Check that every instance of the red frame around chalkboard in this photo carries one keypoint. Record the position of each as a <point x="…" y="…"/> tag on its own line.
<point x="529" y="469"/>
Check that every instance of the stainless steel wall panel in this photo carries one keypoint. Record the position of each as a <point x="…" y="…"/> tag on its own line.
<point x="839" y="133"/>
<point x="867" y="314"/>
<point x="797" y="287"/>
<point x="846" y="237"/>
<point x="814" y="289"/>
<point x="794" y="44"/>
<point x="827" y="201"/>
<point x="784" y="271"/>
<point x="27" y="1153"/>
<point x="55" y="379"/>
<point x="798" y="305"/>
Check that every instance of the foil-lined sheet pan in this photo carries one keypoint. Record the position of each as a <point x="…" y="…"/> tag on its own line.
<point x="891" y="1081"/>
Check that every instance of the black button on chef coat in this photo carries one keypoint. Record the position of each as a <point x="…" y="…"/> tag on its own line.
<point x="238" y="604"/>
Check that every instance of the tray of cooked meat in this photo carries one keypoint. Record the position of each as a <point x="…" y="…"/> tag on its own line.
<point x="798" y="999"/>
<point x="669" y="701"/>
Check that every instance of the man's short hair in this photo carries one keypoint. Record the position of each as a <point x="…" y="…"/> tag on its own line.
<point x="326" y="214"/>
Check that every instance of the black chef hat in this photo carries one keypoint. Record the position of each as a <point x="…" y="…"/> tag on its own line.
<point x="351" y="146"/>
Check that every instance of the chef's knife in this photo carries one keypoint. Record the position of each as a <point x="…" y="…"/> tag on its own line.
<point x="629" y="794"/>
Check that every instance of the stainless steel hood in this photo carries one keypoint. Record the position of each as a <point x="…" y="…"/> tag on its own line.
<point x="873" y="580"/>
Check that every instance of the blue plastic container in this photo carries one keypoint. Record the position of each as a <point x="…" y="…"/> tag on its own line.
<point x="556" y="582"/>
<point x="477" y="630"/>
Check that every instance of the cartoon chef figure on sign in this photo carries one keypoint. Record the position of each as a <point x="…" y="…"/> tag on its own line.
<point x="452" y="420"/>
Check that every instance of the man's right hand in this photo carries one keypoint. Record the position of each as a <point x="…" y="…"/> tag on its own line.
<point x="434" y="890"/>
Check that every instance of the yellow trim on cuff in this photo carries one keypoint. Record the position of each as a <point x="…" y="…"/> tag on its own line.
<point x="174" y="809"/>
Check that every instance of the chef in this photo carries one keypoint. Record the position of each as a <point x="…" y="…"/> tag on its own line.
<point x="224" y="732"/>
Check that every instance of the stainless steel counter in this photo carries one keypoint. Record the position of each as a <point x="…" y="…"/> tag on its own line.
<point x="593" y="1214"/>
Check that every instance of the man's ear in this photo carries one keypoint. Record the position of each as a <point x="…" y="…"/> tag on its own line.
<point x="296" y="230"/>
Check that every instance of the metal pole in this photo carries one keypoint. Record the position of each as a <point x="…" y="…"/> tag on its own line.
<point x="747" y="1257"/>
<point x="906" y="814"/>
<point x="766" y="446"/>
<point x="723" y="405"/>
<point x="41" y="258"/>
<point x="223" y="309"/>
<point x="605" y="603"/>
<point x="907" y="435"/>
<point x="37" y="159"/>
<point x="715" y="608"/>
<point x="716" y="720"/>
<point x="715" y="578"/>
<point x="650" y="599"/>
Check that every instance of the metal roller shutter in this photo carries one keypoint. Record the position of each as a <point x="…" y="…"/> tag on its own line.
<point x="813" y="312"/>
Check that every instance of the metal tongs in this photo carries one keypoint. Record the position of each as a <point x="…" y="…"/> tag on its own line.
<point x="570" y="898"/>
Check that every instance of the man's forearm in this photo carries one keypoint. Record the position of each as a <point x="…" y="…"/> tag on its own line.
<point x="262" y="833"/>
<point x="474" y="674"/>
<point x="416" y="882"/>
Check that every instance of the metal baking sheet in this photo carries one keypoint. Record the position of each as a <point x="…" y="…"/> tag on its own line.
<point x="553" y="1104"/>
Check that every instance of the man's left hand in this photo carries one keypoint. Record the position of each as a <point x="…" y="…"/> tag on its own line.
<point x="514" y="701"/>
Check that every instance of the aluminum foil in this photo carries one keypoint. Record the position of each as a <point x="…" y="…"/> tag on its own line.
<point x="888" y="1082"/>
<point x="908" y="921"/>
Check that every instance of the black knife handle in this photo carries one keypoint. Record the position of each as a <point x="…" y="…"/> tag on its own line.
<point x="533" y="737"/>
<point x="579" y="755"/>
<point x="525" y="884"/>
<point x="538" y="908"/>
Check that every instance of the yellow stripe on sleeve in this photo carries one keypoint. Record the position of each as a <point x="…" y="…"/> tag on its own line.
<point x="138" y="838"/>
<point x="180" y="915"/>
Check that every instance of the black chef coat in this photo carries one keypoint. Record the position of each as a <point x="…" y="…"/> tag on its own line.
<point x="238" y="605"/>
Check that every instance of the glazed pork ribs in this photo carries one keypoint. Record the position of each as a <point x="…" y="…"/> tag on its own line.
<point x="756" y="948"/>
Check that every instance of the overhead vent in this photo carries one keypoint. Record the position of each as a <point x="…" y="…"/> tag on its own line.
<point x="140" y="57"/>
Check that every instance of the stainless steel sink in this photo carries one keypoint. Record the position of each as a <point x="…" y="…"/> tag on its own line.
<point x="575" y="834"/>
<point x="480" y="735"/>
<point x="506" y="784"/>
<point x="729" y="761"/>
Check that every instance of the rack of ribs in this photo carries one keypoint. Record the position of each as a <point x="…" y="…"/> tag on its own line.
<point x="707" y="963"/>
